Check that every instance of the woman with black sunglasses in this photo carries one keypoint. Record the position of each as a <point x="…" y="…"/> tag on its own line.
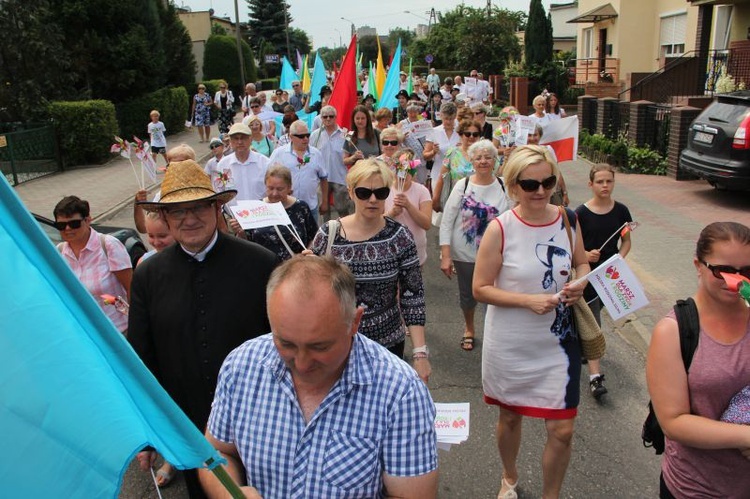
<point x="707" y="438"/>
<point x="531" y="358"/>
<point x="100" y="261"/>
<point x="456" y="162"/>
<point x="383" y="257"/>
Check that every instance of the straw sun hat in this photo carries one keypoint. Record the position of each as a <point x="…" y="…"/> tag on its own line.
<point x="186" y="182"/>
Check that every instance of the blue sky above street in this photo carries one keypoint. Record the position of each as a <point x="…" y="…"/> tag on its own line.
<point x="322" y="18"/>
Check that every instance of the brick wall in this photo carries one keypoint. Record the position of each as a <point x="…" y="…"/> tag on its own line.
<point x="600" y="90"/>
<point x="678" y="135"/>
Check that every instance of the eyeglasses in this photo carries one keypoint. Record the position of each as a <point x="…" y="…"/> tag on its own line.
<point x="255" y="106"/>
<point x="217" y="145"/>
<point x="327" y="116"/>
<point x="531" y="185"/>
<point x="199" y="210"/>
<point x="295" y="86"/>
<point x="390" y="142"/>
<point x="471" y="134"/>
<point x="364" y="193"/>
<point x="73" y="224"/>
<point x="301" y="135"/>
<point x="716" y="270"/>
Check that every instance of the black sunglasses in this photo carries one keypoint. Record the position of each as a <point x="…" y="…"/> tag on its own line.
<point x="327" y="116"/>
<point x="216" y="145"/>
<point x="716" y="270"/>
<point x="390" y="143"/>
<point x="472" y="134"/>
<point x="531" y="185"/>
<point x="301" y="135"/>
<point x="74" y="224"/>
<point x="364" y="193"/>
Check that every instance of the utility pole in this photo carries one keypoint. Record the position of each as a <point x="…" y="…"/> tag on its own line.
<point x="286" y="21"/>
<point x="239" y="44"/>
<point x="432" y="20"/>
<point x="489" y="9"/>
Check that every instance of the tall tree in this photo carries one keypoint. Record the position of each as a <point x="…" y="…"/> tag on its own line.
<point x="465" y="38"/>
<point x="406" y="36"/>
<point x="268" y="24"/>
<point x="220" y="60"/>
<point x="368" y="47"/>
<point x="179" y="67"/>
<point x="34" y="65"/>
<point x="538" y="36"/>
<point x="299" y="40"/>
<point x="116" y="47"/>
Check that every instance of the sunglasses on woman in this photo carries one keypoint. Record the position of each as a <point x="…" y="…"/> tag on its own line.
<point x="73" y="224"/>
<point x="471" y="134"/>
<point x="390" y="142"/>
<point x="364" y="193"/>
<point x="531" y="185"/>
<point x="301" y="135"/>
<point x="716" y="270"/>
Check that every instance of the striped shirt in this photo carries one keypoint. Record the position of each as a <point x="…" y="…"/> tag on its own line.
<point x="377" y="418"/>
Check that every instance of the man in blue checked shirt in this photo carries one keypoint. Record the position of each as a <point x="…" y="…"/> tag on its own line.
<point x="315" y="409"/>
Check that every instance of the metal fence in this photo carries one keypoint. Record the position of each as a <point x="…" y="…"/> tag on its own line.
<point x="658" y="118"/>
<point x="28" y="151"/>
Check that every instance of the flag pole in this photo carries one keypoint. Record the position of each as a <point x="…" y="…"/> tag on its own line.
<point x="221" y="473"/>
<point x="613" y="235"/>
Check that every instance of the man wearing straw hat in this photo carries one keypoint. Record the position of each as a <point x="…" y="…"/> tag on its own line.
<point x="195" y="301"/>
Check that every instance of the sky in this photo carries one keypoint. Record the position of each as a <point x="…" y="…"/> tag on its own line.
<point x="321" y="19"/>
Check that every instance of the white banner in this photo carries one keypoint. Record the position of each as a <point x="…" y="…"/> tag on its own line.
<point x="257" y="214"/>
<point x="617" y="286"/>
<point x="417" y="129"/>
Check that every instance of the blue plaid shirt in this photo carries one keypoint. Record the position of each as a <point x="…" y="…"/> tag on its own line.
<point x="378" y="418"/>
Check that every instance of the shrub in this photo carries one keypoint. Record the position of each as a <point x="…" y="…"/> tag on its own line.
<point x="571" y="94"/>
<point x="133" y="116"/>
<point x="85" y="130"/>
<point x="269" y="84"/>
<point x="646" y="160"/>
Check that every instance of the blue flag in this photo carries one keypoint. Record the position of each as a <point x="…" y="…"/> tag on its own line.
<point x="76" y="402"/>
<point x="288" y="75"/>
<point x="390" y="89"/>
<point x="318" y="79"/>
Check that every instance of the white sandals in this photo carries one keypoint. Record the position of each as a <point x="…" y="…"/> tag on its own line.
<point x="510" y="490"/>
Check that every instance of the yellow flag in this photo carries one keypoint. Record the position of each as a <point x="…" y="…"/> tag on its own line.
<point x="379" y="72"/>
<point x="305" y="77"/>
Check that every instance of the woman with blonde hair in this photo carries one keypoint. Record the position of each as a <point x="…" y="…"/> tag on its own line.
<point x="258" y="140"/>
<point x="382" y="255"/>
<point x="531" y="358"/>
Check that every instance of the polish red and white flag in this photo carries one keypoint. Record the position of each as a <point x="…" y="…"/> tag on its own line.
<point x="562" y="136"/>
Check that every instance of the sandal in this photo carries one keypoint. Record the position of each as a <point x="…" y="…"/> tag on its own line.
<point x="510" y="490"/>
<point x="165" y="475"/>
<point x="467" y="343"/>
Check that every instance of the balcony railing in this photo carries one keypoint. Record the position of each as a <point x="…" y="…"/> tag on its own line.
<point x="596" y="70"/>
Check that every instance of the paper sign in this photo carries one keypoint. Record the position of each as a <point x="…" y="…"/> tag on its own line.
<point x="452" y="424"/>
<point x="257" y="214"/>
<point x="618" y="288"/>
<point x="524" y="127"/>
<point x="418" y="129"/>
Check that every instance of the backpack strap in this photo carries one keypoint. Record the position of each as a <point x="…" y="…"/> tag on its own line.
<point x="499" y="180"/>
<point x="333" y="228"/>
<point x="688" y="324"/>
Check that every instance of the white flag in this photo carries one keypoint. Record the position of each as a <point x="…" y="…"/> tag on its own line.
<point x="618" y="288"/>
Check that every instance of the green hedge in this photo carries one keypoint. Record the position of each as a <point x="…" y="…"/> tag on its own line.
<point x="85" y="130"/>
<point x="133" y="116"/>
<point x="269" y="84"/>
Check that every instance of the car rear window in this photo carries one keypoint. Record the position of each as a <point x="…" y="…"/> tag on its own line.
<point x="724" y="112"/>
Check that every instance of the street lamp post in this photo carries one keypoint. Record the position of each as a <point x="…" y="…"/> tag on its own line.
<point x="339" y="32"/>
<point x="239" y="44"/>
<point x="349" y="21"/>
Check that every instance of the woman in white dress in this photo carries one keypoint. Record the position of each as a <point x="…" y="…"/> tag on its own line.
<point x="531" y="360"/>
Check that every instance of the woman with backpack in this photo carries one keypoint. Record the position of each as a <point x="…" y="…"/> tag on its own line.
<point x="706" y="455"/>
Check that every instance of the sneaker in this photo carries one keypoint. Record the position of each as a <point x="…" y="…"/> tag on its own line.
<point x="597" y="386"/>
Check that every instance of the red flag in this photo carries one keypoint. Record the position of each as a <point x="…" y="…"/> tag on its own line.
<point x="562" y="136"/>
<point x="344" y="96"/>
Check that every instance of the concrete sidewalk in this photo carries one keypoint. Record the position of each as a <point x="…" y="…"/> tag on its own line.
<point x="107" y="188"/>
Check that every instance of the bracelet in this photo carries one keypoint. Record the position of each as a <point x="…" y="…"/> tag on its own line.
<point x="420" y="352"/>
